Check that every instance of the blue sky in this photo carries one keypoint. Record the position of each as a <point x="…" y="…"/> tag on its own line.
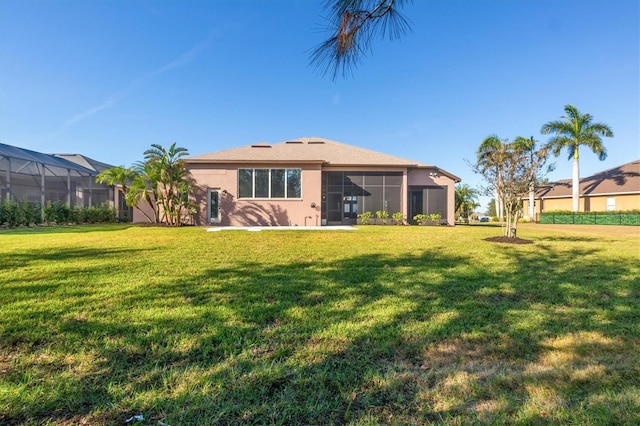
<point x="107" y="78"/>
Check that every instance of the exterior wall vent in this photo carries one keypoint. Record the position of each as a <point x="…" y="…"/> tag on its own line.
<point x="261" y="145"/>
<point x="316" y="142"/>
<point x="294" y="142"/>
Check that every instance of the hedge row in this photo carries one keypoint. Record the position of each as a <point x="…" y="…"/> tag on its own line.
<point x="592" y="218"/>
<point x="23" y="213"/>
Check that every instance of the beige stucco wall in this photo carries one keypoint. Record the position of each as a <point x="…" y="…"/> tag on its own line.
<point x="139" y="217"/>
<point x="239" y="212"/>
<point x="588" y="204"/>
<point x="622" y="202"/>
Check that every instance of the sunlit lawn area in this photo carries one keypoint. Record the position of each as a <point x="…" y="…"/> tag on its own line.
<point x="384" y="325"/>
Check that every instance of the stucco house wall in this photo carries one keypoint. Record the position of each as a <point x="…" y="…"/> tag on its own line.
<point x="338" y="182"/>
<point x="236" y="211"/>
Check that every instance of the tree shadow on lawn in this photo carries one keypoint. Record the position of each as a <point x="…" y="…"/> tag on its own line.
<point x="66" y="229"/>
<point x="375" y="338"/>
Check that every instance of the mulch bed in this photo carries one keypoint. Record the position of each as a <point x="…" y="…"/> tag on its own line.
<point x="508" y="240"/>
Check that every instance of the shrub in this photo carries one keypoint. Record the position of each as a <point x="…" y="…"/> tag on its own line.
<point x="382" y="215"/>
<point x="421" y="219"/>
<point x="24" y="213"/>
<point x="398" y="218"/>
<point x="365" y="217"/>
<point x="57" y="212"/>
<point x="435" y="218"/>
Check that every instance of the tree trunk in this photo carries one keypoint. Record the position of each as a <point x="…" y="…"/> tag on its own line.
<point x="575" y="186"/>
<point x="532" y="209"/>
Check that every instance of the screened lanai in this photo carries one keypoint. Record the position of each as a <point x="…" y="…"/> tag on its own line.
<point x="39" y="178"/>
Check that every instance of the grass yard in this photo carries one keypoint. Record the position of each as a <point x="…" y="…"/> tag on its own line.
<point x="384" y="325"/>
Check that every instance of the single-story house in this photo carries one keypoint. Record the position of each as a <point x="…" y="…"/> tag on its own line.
<point x="314" y="181"/>
<point x="613" y="189"/>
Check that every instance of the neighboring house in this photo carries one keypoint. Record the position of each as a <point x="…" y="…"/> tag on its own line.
<point x="39" y="178"/>
<point x="614" y="189"/>
<point x="314" y="181"/>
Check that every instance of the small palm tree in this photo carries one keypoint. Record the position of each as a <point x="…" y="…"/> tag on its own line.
<point x="466" y="200"/>
<point x="490" y="155"/>
<point x="119" y="175"/>
<point x="574" y="130"/>
<point x="170" y="180"/>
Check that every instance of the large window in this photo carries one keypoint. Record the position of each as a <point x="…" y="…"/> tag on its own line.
<point x="269" y="183"/>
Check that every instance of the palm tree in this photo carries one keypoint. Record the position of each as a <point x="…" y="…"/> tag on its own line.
<point x="466" y="200"/>
<point x="139" y="191"/>
<point x="119" y="175"/>
<point x="490" y="154"/>
<point x="169" y="179"/>
<point x="574" y="130"/>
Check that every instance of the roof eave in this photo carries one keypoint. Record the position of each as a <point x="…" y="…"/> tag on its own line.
<point x="230" y="161"/>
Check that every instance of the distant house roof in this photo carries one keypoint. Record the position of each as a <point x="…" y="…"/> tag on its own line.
<point x="9" y="151"/>
<point x="621" y="179"/>
<point x="85" y="161"/>
<point x="309" y="150"/>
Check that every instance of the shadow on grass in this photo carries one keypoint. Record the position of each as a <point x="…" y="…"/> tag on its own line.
<point x="376" y="338"/>
<point x="65" y="229"/>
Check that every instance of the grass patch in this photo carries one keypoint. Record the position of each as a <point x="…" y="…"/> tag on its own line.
<point x="386" y="325"/>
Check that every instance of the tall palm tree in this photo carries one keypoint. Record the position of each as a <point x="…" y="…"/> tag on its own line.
<point x="574" y="130"/>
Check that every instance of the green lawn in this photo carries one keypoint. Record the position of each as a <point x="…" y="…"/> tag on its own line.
<point x="384" y="325"/>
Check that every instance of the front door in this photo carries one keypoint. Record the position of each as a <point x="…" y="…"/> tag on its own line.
<point x="214" y="206"/>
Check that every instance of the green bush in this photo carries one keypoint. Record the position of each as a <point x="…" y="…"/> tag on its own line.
<point x="421" y="219"/>
<point x="365" y="218"/>
<point x="435" y="218"/>
<point x="24" y="213"/>
<point x="382" y="215"/>
<point x="57" y="212"/>
<point x="398" y="218"/>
